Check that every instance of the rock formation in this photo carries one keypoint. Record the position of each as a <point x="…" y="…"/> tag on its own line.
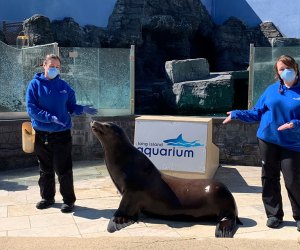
<point x="162" y="31"/>
<point x="198" y="91"/>
<point x="38" y="29"/>
<point x="232" y="42"/>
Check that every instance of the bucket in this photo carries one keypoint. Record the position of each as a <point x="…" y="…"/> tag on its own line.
<point x="28" y="137"/>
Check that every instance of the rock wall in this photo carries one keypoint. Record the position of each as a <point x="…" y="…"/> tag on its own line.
<point x="236" y="141"/>
<point x="11" y="153"/>
<point x="162" y="31"/>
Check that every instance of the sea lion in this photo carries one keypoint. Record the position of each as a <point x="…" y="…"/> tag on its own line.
<point x="145" y="189"/>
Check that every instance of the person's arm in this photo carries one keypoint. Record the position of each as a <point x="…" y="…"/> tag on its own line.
<point x="73" y="108"/>
<point x="252" y="115"/>
<point x="77" y="109"/>
<point x="32" y="105"/>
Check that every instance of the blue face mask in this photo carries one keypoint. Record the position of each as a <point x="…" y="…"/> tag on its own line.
<point x="288" y="75"/>
<point x="52" y="73"/>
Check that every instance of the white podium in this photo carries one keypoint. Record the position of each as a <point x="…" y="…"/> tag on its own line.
<point x="179" y="146"/>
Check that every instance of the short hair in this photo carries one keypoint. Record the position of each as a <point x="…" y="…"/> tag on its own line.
<point x="51" y="56"/>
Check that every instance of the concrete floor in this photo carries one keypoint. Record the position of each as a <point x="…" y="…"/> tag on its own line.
<point x="97" y="200"/>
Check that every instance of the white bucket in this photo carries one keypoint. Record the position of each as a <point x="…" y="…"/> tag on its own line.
<point x="28" y="137"/>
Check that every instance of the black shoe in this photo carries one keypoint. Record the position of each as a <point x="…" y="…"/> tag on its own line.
<point x="67" y="208"/>
<point x="274" y="222"/>
<point x="298" y="225"/>
<point x="43" y="204"/>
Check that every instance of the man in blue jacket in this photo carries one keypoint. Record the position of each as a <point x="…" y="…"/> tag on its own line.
<point x="50" y="102"/>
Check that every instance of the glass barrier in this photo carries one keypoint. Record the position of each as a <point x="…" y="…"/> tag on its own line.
<point x="262" y="74"/>
<point x="100" y="76"/>
<point x="17" y="68"/>
<point x="11" y="79"/>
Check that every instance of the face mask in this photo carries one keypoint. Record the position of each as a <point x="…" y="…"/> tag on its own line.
<point x="288" y="75"/>
<point x="52" y="73"/>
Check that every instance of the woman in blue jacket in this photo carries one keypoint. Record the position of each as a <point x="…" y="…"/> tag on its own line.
<point x="278" y="110"/>
<point x="50" y="102"/>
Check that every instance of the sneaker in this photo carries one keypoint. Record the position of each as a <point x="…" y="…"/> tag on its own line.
<point x="274" y="222"/>
<point x="66" y="208"/>
<point x="298" y="225"/>
<point x="43" y="204"/>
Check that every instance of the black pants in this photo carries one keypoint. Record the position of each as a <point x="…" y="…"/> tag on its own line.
<point x="274" y="160"/>
<point x="54" y="153"/>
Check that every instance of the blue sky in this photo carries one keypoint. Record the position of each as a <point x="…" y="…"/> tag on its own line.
<point x="84" y="12"/>
<point x="97" y="12"/>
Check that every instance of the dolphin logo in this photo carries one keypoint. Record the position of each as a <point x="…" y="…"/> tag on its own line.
<point x="180" y="142"/>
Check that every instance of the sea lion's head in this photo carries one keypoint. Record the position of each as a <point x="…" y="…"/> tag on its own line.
<point x="108" y="132"/>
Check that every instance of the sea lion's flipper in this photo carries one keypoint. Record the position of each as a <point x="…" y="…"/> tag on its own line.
<point x="127" y="213"/>
<point x="118" y="223"/>
<point x="238" y="221"/>
<point x="225" y="228"/>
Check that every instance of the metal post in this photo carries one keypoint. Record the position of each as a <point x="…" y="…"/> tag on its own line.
<point x="251" y="76"/>
<point x="56" y="49"/>
<point x="132" y="78"/>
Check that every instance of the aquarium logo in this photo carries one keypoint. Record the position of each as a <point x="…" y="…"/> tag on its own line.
<point x="172" y="148"/>
<point x="179" y="142"/>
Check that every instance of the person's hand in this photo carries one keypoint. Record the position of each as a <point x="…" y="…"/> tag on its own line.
<point x="55" y="120"/>
<point x="228" y="118"/>
<point x="90" y="110"/>
<point x="285" y="126"/>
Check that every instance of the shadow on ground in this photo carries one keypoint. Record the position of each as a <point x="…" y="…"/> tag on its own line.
<point x="234" y="181"/>
<point x="12" y="186"/>
<point x="93" y="214"/>
<point x="247" y="222"/>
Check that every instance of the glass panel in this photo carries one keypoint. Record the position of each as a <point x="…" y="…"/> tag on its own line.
<point x="32" y="60"/>
<point x="17" y="68"/>
<point x="11" y="82"/>
<point x="263" y="67"/>
<point x="99" y="76"/>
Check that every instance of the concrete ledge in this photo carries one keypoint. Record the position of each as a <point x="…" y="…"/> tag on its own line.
<point x="236" y="141"/>
<point x="143" y="242"/>
<point x="13" y="116"/>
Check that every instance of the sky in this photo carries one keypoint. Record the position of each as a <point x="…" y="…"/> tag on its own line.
<point x="95" y="12"/>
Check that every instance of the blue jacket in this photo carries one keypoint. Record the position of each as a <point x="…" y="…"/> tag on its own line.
<point x="273" y="110"/>
<point x="46" y="98"/>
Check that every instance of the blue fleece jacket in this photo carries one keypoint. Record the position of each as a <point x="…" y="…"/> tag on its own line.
<point x="46" y="98"/>
<point x="273" y="110"/>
